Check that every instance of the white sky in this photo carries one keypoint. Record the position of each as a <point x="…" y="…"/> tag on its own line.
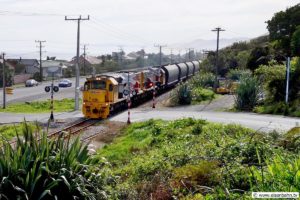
<point x="132" y="24"/>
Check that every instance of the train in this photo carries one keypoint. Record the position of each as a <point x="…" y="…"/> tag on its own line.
<point x="107" y="93"/>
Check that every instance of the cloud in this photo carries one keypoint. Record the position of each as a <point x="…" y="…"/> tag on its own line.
<point x="130" y="23"/>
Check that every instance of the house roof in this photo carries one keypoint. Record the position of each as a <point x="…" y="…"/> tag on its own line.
<point x="132" y="55"/>
<point x="51" y="63"/>
<point x="26" y="62"/>
<point x="10" y="65"/>
<point x="93" y="60"/>
<point x="90" y="59"/>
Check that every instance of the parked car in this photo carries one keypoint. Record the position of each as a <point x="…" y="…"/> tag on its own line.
<point x="65" y="83"/>
<point x="31" y="83"/>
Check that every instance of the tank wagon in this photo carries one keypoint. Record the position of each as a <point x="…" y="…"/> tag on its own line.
<point x="107" y="93"/>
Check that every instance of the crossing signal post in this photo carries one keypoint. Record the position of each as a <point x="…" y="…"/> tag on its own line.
<point x="52" y="88"/>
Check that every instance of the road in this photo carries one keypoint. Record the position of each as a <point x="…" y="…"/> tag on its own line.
<point x="251" y="120"/>
<point x="24" y="94"/>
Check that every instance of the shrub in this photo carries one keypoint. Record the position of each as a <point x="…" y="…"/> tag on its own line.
<point x="203" y="80"/>
<point x="272" y="77"/>
<point x="182" y="95"/>
<point x="204" y="173"/>
<point x="201" y="94"/>
<point x="37" y="76"/>
<point x="247" y="93"/>
<point x="47" y="169"/>
<point x="236" y="74"/>
<point x="291" y="140"/>
<point x="282" y="173"/>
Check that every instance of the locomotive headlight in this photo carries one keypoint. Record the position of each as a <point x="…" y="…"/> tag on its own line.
<point x="106" y="104"/>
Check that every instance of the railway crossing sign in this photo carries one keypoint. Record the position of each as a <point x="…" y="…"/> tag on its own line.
<point x="48" y="88"/>
<point x="126" y="92"/>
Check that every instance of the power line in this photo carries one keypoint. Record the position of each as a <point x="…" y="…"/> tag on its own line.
<point x="18" y="13"/>
<point x="120" y="31"/>
<point x="79" y="19"/>
<point x="218" y="29"/>
<point x="41" y="68"/>
<point x="116" y="35"/>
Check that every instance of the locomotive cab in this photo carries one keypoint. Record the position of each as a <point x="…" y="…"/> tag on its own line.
<point x="98" y="94"/>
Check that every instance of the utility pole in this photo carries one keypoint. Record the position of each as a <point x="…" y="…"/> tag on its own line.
<point x="158" y="78"/>
<point x="160" y="53"/>
<point x="288" y="64"/>
<point x="186" y="55"/>
<point x="171" y="56"/>
<point x="120" y="56"/>
<point x="84" y="55"/>
<point x="3" y="81"/>
<point x="189" y="51"/>
<point x="41" y="68"/>
<point x="143" y="55"/>
<point x="179" y="51"/>
<point x="218" y="29"/>
<point x="77" y="58"/>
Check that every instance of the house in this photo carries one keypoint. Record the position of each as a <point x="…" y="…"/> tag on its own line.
<point x="17" y="78"/>
<point x="87" y="60"/>
<point x="87" y="64"/>
<point x="25" y="66"/>
<point x="132" y="56"/>
<point x="9" y="65"/>
<point x="53" y="66"/>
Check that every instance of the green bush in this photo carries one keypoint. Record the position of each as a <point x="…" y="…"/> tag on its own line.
<point x="272" y="77"/>
<point x="48" y="169"/>
<point x="247" y="93"/>
<point x="203" y="173"/>
<point x="37" y="76"/>
<point x="281" y="173"/>
<point x="201" y="94"/>
<point x="236" y="74"/>
<point x="182" y="95"/>
<point x="203" y="80"/>
<point x="186" y="158"/>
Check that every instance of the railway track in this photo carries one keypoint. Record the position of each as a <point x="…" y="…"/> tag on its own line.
<point x="72" y="130"/>
<point x="75" y="129"/>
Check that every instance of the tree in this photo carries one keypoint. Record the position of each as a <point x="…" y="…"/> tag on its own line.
<point x="9" y="74"/>
<point x="282" y="26"/>
<point x="258" y="56"/>
<point x="295" y="43"/>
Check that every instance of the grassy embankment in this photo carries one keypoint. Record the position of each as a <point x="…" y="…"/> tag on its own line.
<point x="63" y="105"/>
<point x="7" y="132"/>
<point x="194" y="159"/>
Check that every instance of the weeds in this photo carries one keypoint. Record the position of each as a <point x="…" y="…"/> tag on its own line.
<point x="197" y="160"/>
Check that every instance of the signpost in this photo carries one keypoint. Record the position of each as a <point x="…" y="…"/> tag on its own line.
<point x="52" y="89"/>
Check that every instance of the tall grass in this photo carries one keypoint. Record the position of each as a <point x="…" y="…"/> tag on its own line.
<point x="247" y="93"/>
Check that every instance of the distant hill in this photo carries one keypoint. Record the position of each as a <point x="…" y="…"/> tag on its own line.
<point x="208" y="44"/>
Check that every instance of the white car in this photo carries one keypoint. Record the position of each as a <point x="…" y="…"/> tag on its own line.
<point x="31" y="83"/>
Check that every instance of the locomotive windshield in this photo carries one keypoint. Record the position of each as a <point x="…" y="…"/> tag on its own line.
<point x="98" y="85"/>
